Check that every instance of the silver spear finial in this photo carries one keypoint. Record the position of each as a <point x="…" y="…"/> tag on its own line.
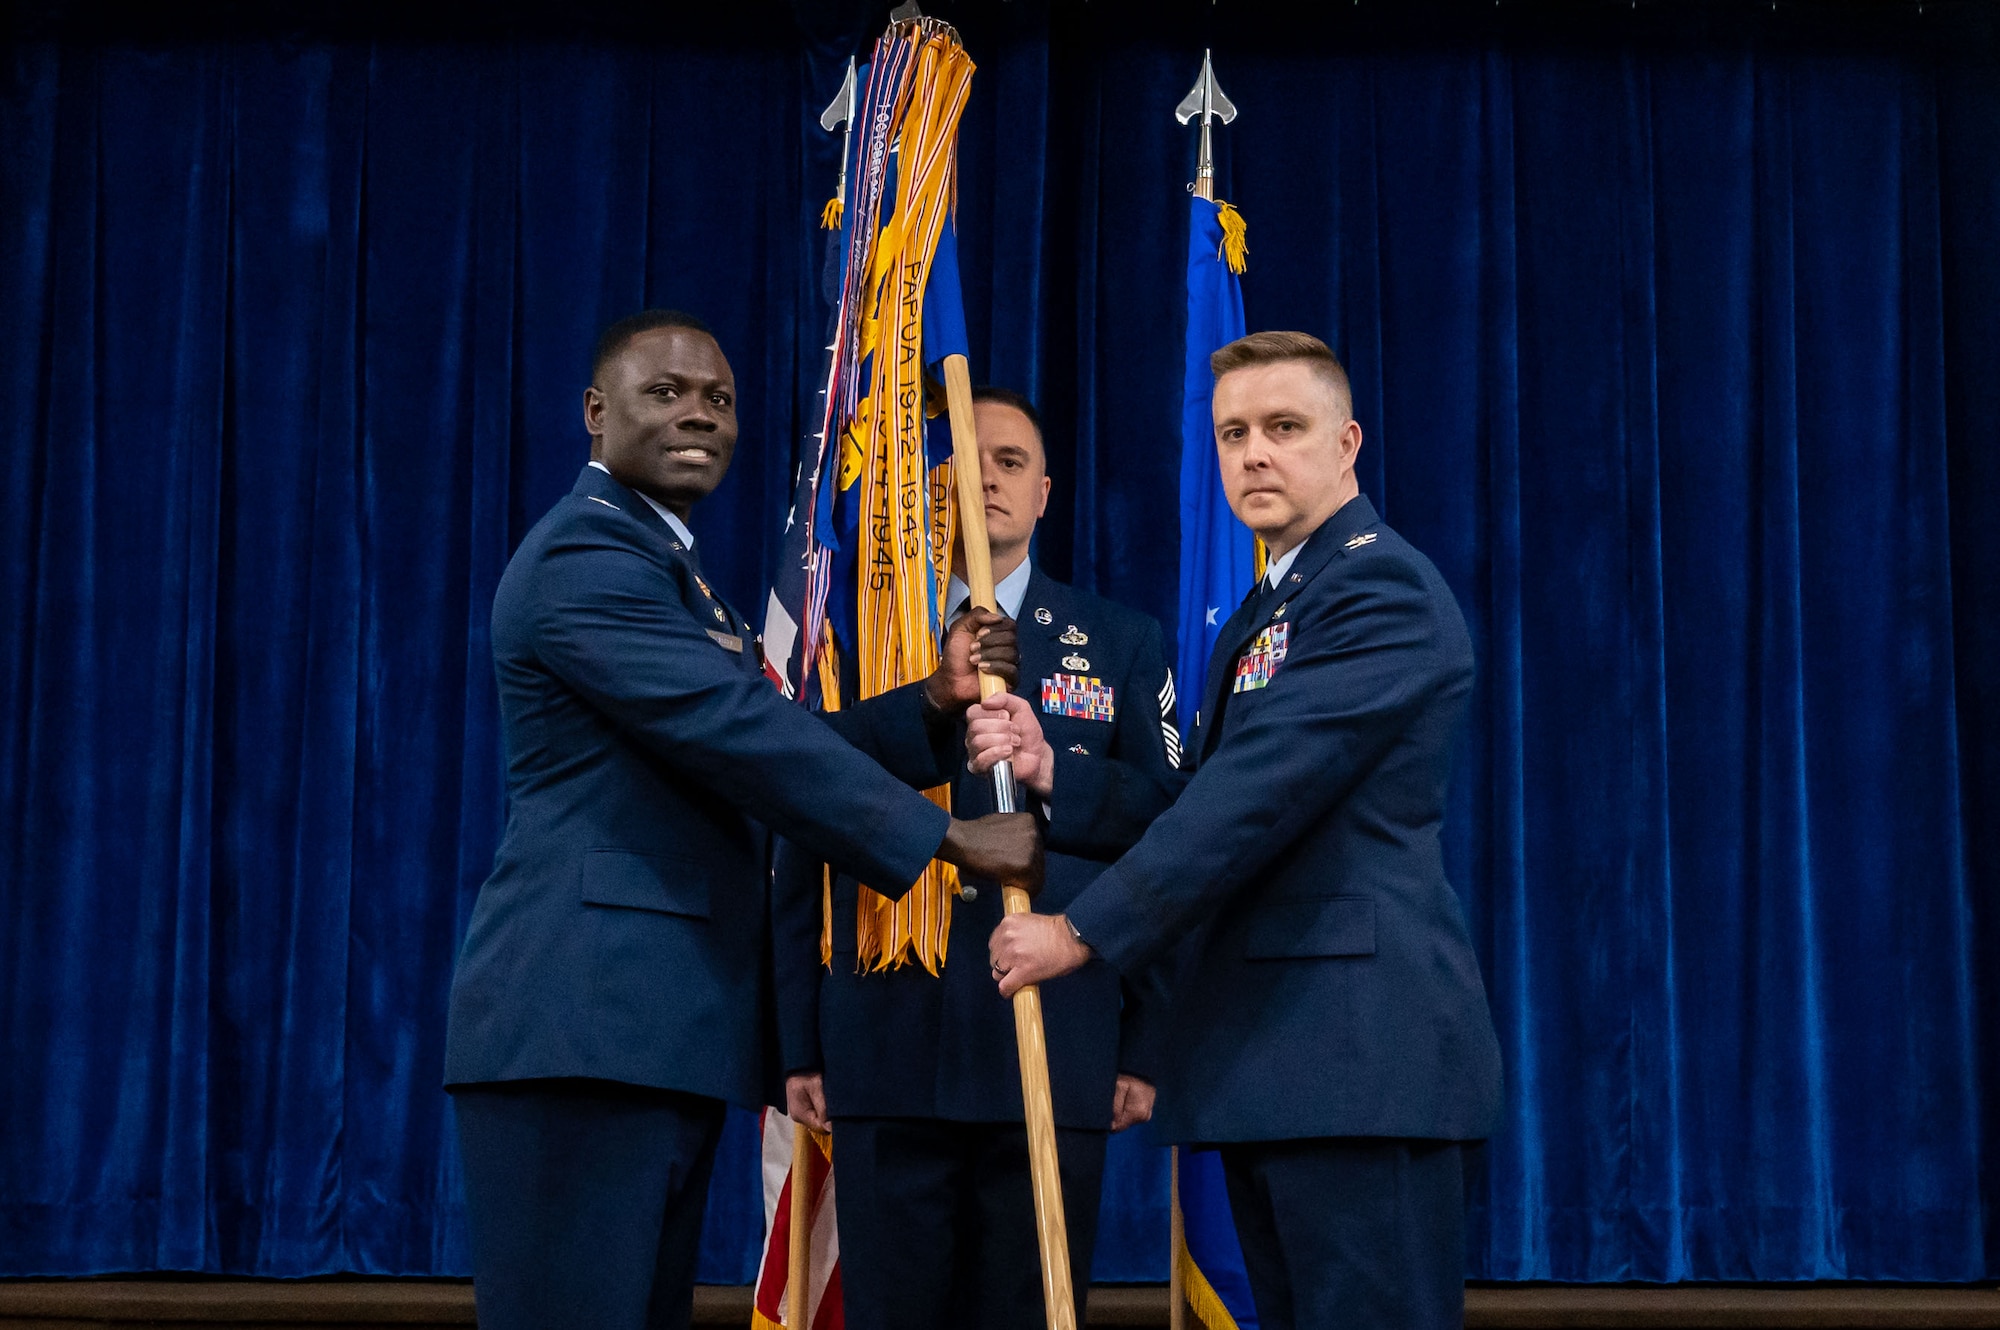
<point x="1206" y="100"/>
<point x="839" y="112"/>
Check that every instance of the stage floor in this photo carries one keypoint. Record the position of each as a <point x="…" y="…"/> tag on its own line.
<point x="126" y="1302"/>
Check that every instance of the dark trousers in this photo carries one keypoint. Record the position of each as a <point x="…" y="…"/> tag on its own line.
<point x="585" y="1199"/>
<point x="937" y="1222"/>
<point x="1357" y="1233"/>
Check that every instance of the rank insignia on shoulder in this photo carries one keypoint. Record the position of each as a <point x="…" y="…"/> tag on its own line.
<point x="606" y="502"/>
<point x="1079" y="749"/>
<point x="1044" y="618"/>
<point x="1079" y="698"/>
<point x="1267" y="651"/>
<point x="1365" y="538"/>
<point x="1075" y="663"/>
<point x="1072" y="638"/>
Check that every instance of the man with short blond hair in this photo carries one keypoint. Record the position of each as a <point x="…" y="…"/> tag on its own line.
<point x="1332" y="1033"/>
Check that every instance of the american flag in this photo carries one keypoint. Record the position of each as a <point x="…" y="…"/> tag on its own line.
<point x="823" y="1309"/>
<point x="795" y="616"/>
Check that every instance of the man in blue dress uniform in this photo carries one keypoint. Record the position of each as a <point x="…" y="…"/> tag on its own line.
<point x="919" y="1072"/>
<point x="612" y="991"/>
<point x="1330" y="1030"/>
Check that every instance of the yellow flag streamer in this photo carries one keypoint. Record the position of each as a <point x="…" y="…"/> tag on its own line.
<point x="906" y="515"/>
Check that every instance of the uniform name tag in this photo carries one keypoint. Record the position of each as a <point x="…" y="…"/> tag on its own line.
<point x="1261" y="661"/>
<point x="727" y="641"/>
<point x="1079" y="697"/>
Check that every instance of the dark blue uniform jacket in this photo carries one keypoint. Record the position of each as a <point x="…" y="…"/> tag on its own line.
<point x="905" y="1043"/>
<point x="623" y="932"/>
<point x="1329" y="987"/>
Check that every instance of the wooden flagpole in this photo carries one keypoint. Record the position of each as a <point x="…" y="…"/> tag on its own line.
<point x="1058" y="1295"/>
<point x="798" y="1237"/>
<point x="1177" y="1303"/>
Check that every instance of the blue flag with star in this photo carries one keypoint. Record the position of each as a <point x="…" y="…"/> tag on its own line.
<point x="1217" y="564"/>
<point x="1216" y="549"/>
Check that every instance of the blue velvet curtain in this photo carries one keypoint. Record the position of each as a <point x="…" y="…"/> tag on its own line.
<point x="1676" y="341"/>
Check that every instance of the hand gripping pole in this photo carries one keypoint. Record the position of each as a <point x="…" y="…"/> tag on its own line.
<point x="1058" y="1296"/>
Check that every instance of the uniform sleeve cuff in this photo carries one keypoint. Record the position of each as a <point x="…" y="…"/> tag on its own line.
<point x="1102" y="915"/>
<point x="1070" y="813"/>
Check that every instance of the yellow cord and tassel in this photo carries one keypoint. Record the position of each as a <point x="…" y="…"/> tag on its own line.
<point x="829" y="217"/>
<point x="829" y="692"/>
<point x="904" y="543"/>
<point x="1234" y="246"/>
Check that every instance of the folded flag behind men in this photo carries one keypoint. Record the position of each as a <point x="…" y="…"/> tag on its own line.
<point x="1218" y="561"/>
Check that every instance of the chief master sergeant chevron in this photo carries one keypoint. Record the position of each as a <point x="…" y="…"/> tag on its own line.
<point x="1332" y="1030"/>
<point x="611" y="992"/>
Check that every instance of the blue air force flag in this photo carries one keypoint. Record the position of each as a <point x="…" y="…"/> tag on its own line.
<point x="1216" y="549"/>
<point x="1217" y="564"/>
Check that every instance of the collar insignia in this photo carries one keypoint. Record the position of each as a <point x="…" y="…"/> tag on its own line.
<point x="1072" y="638"/>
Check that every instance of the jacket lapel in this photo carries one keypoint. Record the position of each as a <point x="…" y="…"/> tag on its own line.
<point x="598" y="486"/>
<point x="1354" y="517"/>
<point x="1041" y="654"/>
<point x="1222" y="662"/>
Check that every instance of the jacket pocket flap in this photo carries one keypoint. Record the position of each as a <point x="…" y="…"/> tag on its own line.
<point x="638" y="881"/>
<point x="1327" y="926"/>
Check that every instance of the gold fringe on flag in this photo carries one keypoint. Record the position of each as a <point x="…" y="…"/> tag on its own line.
<point x="1202" y="1299"/>
<point x="829" y="218"/>
<point x="1234" y="230"/>
<point x="905" y="562"/>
